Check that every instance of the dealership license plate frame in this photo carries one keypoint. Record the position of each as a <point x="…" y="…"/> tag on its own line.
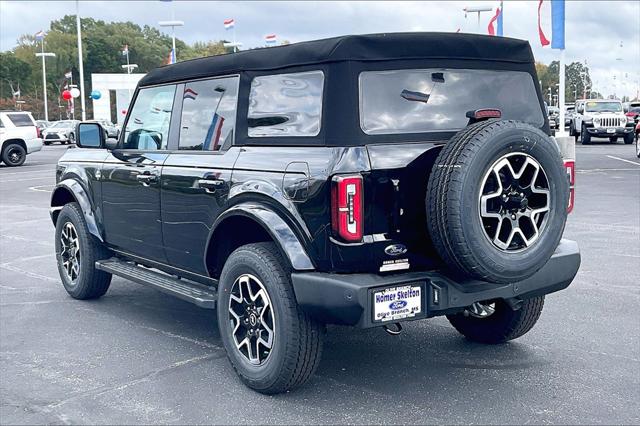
<point x="422" y="313"/>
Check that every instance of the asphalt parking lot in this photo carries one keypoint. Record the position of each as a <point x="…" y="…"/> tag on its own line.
<point x="138" y="356"/>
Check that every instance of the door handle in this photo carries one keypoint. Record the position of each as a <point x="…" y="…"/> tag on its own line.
<point x="147" y="179"/>
<point x="210" y="185"/>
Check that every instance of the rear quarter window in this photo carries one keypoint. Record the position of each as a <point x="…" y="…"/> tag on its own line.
<point x="425" y="100"/>
<point x="21" y="120"/>
<point x="286" y="104"/>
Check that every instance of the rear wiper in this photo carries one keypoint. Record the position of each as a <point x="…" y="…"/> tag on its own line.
<point x="415" y="96"/>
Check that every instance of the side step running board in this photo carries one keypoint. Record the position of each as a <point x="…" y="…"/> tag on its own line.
<point x="201" y="295"/>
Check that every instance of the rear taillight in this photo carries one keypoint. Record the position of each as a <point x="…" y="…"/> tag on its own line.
<point x="38" y="132"/>
<point x="346" y="208"/>
<point x="570" y="166"/>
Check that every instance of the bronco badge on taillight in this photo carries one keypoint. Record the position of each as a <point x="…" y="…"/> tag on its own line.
<point x="346" y="207"/>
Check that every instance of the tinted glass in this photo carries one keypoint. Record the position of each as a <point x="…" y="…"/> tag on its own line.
<point x="21" y="120"/>
<point x="416" y="101"/>
<point x="209" y="114"/>
<point x="286" y="104"/>
<point x="148" y="123"/>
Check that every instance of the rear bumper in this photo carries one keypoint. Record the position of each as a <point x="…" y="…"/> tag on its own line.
<point x="33" y="145"/>
<point x="347" y="299"/>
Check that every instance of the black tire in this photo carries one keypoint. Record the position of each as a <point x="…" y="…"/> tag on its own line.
<point x="613" y="139"/>
<point x="585" y="137"/>
<point x="90" y="282"/>
<point x="454" y="191"/>
<point x="503" y="325"/>
<point x="628" y="139"/>
<point x="46" y="143"/>
<point x="14" y="154"/>
<point x="298" y="339"/>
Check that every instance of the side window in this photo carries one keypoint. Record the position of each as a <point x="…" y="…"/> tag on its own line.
<point x="148" y="125"/>
<point x="286" y="104"/>
<point x="209" y="114"/>
<point x="21" y="120"/>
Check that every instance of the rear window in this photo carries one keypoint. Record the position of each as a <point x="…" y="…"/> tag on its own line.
<point x="21" y="120"/>
<point x="417" y="101"/>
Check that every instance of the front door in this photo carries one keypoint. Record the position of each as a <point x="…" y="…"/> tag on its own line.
<point x="197" y="176"/>
<point x="131" y="177"/>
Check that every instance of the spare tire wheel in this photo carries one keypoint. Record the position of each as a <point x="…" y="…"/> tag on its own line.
<point x="497" y="200"/>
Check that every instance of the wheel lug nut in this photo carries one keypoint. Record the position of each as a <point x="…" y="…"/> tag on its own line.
<point x="513" y="216"/>
<point x="522" y="194"/>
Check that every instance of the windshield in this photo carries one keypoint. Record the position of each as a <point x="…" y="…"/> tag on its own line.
<point x="62" y="124"/>
<point x="603" y="107"/>
<point x="417" y="101"/>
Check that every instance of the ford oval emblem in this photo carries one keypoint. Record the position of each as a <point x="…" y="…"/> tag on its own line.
<point x="395" y="249"/>
<point x="398" y="304"/>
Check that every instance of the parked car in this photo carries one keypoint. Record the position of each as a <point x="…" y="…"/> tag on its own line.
<point x="19" y="137"/>
<point x="42" y="124"/>
<point x="602" y="118"/>
<point x="633" y="113"/>
<point x="113" y="131"/>
<point x="324" y="187"/>
<point x="568" y="115"/>
<point x="554" y="117"/>
<point x="637" y="139"/>
<point x="60" y="131"/>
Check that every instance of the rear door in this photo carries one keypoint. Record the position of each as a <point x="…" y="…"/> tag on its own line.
<point x="196" y="176"/>
<point x="131" y="176"/>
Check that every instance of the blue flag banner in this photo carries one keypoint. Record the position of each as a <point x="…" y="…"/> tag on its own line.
<point x="500" y="16"/>
<point x="557" y="24"/>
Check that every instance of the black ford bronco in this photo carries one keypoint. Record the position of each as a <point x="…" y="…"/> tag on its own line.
<point x="360" y="180"/>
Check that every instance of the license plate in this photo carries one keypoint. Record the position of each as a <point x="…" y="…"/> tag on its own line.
<point x="396" y="303"/>
<point x="611" y="130"/>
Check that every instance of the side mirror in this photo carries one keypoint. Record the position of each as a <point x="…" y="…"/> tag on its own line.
<point x="90" y="135"/>
<point x="580" y="109"/>
<point x="625" y="108"/>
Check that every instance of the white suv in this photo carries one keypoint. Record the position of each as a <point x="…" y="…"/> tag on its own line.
<point x="19" y="136"/>
<point x="602" y="118"/>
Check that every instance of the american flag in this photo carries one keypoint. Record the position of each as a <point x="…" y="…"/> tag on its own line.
<point x="213" y="134"/>
<point x="229" y="23"/>
<point x="125" y="50"/>
<point x="189" y="94"/>
<point x="39" y="35"/>
<point x="270" y="39"/>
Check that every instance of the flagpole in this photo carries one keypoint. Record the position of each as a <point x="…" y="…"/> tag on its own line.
<point x="82" y="106"/>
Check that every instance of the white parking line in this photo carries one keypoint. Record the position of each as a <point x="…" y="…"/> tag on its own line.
<point x="39" y="188"/>
<point x="622" y="159"/>
<point x="22" y="180"/>
<point x="49" y="169"/>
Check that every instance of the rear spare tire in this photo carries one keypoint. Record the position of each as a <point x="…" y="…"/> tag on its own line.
<point x="497" y="200"/>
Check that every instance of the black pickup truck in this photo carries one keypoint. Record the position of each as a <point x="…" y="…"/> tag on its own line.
<point x="360" y="180"/>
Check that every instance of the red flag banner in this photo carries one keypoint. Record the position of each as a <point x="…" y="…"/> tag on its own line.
<point x="490" y="28"/>
<point x="543" y="39"/>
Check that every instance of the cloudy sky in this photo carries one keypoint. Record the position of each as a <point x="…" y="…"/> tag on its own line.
<point x="595" y="30"/>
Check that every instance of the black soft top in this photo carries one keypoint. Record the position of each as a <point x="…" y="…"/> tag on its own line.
<point x="371" y="47"/>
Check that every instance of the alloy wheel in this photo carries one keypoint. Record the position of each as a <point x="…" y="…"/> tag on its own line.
<point x="252" y="319"/>
<point x="15" y="155"/>
<point x="70" y="255"/>
<point x="514" y="202"/>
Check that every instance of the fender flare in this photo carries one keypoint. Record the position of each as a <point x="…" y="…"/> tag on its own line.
<point x="82" y="198"/>
<point x="276" y="227"/>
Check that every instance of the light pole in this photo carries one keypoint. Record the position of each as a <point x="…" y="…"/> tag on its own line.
<point x="173" y="23"/>
<point x="80" y="63"/>
<point x="478" y="10"/>
<point x="129" y="67"/>
<point x="43" y="55"/>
